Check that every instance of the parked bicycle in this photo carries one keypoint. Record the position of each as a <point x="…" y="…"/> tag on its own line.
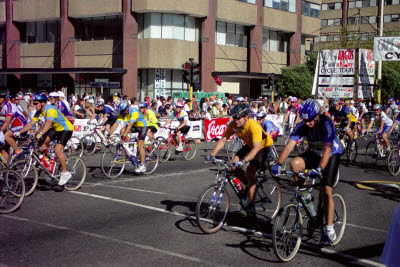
<point x="164" y="146"/>
<point x="214" y="202"/>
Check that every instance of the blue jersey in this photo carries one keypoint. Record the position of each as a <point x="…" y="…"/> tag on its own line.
<point x="340" y="115"/>
<point x="323" y="132"/>
<point x="110" y="111"/>
<point x="269" y="126"/>
<point x="64" y="109"/>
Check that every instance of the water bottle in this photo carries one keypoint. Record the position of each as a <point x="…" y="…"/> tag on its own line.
<point x="52" y="163"/>
<point x="3" y="159"/>
<point x="44" y="162"/>
<point x="307" y="198"/>
<point x="239" y="187"/>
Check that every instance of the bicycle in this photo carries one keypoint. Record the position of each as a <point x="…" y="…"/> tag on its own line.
<point x="113" y="160"/>
<point x="31" y="166"/>
<point x="349" y="147"/>
<point x="393" y="160"/>
<point x="377" y="150"/>
<point x="233" y="146"/>
<point x="74" y="147"/>
<point x="90" y="142"/>
<point x="213" y="203"/>
<point x="288" y="225"/>
<point x="164" y="144"/>
<point x="12" y="190"/>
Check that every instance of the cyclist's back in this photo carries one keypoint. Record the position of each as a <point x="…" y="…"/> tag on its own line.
<point x="18" y="119"/>
<point x="60" y="122"/>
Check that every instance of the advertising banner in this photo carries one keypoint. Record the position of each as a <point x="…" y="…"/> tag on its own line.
<point x="387" y="48"/>
<point x="278" y="119"/>
<point x="366" y="73"/>
<point x="215" y="128"/>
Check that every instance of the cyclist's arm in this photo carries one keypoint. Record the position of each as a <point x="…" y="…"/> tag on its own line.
<point x="27" y="127"/>
<point x="47" y="125"/>
<point x="370" y="124"/>
<point x="392" y="128"/>
<point x="128" y="128"/>
<point x="284" y="119"/>
<point x="220" y="144"/>
<point x="326" y="155"/>
<point x="381" y="127"/>
<point x="286" y="151"/>
<point x="6" y="123"/>
<point x="168" y="121"/>
<point x="105" y="118"/>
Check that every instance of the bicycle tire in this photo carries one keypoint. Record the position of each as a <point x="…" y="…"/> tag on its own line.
<point x="340" y="218"/>
<point x="151" y="159"/>
<point x="352" y="151"/>
<point x="393" y="162"/>
<point x="163" y="150"/>
<point x="371" y="155"/>
<point x="28" y="172"/>
<point x="189" y="149"/>
<point x="77" y="167"/>
<point x="234" y="145"/>
<point x="75" y="147"/>
<point x="210" y="217"/>
<point x="12" y="190"/>
<point x="113" y="158"/>
<point x="89" y="144"/>
<point x="284" y="244"/>
<point x="268" y="199"/>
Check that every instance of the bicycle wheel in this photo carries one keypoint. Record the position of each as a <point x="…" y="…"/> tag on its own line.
<point x="12" y="190"/>
<point x="28" y="172"/>
<point x="89" y="144"/>
<point x="287" y="233"/>
<point x="77" y="168"/>
<point x="234" y="145"/>
<point x="113" y="163"/>
<point x="151" y="160"/>
<point x="75" y="145"/>
<point x="351" y="151"/>
<point x="189" y="149"/>
<point x="163" y="150"/>
<point x="212" y="208"/>
<point x="393" y="162"/>
<point x="268" y="199"/>
<point x="339" y="221"/>
<point x="371" y="155"/>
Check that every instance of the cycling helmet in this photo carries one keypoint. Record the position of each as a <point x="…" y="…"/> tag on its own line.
<point x="180" y="105"/>
<point x="352" y="102"/>
<point x="39" y="97"/>
<point x="143" y="105"/>
<point x="239" y="111"/>
<point x="261" y="114"/>
<point x="310" y="109"/>
<point x="294" y="99"/>
<point x="377" y="106"/>
<point x="391" y="99"/>
<point x="54" y="94"/>
<point x="240" y="99"/>
<point x="100" y="103"/>
<point x="122" y="106"/>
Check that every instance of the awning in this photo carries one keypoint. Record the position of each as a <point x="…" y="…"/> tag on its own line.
<point x="246" y="75"/>
<point x="62" y="71"/>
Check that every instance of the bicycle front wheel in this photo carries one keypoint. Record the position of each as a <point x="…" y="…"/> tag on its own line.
<point x="89" y="144"/>
<point x="371" y="154"/>
<point x="393" y="162"/>
<point x="352" y="151"/>
<point x="28" y="172"/>
<point x="77" y="168"/>
<point x="268" y="199"/>
<point x="12" y="190"/>
<point x="287" y="233"/>
<point x="189" y="149"/>
<point x="212" y="208"/>
<point x="339" y="221"/>
<point x="163" y="150"/>
<point x="233" y="147"/>
<point x="151" y="159"/>
<point x="113" y="163"/>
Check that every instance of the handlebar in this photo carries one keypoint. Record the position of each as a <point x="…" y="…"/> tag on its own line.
<point x="304" y="174"/>
<point x="220" y="162"/>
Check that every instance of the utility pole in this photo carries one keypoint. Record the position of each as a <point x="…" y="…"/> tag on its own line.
<point x="378" y="82"/>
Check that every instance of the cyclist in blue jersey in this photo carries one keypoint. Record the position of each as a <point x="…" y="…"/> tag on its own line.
<point x="132" y="121"/>
<point x="342" y="115"/>
<point x="268" y="126"/>
<point x="109" y="115"/>
<point x="183" y="119"/>
<point x="322" y="158"/>
<point x="56" y="128"/>
<point x="54" y="100"/>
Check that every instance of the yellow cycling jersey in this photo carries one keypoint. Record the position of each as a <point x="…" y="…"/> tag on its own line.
<point x="134" y="116"/>
<point x="60" y="122"/>
<point x="151" y="119"/>
<point x="252" y="132"/>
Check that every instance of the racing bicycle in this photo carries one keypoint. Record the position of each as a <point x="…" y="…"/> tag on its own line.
<point x="164" y="146"/>
<point x="12" y="190"/>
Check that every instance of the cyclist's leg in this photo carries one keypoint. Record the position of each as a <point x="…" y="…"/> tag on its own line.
<point x="254" y="166"/>
<point x="142" y="132"/>
<point x="179" y="137"/>
<point x="8" y="136"/>
<point x="349" y="132"/>
<point x="385" y="137"/>
<point x="62" y="140"/>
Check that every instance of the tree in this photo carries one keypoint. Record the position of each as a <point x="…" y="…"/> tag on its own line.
<point x="296" y="81"/>
<point x="390" y="83"/>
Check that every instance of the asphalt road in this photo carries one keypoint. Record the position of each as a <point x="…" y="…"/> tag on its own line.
<point x="148" y="220"/>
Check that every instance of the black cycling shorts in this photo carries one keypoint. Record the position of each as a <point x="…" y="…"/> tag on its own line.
<point x="185" y="129"/>
<point x="142" y="132"/>
<point x="110" y="121"/>
<point x="312" y="161"/>
<point x="153" y="129"/>
<point x="61" y="137"/>
<point x="259" y="159"/>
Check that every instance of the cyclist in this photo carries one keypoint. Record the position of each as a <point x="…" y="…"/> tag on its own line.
<point x="183" y="127"/>
<point x="353" y="114"/>
<point x="293" y="108"/>
<point x="132" y="121"/>
<point x="392" y="108"/>
<point x="109" y="116"/>
<point x="56" y="128"/>
<point x="322" y="157"/>
<point x="383" y="122"/>
<point x="256" y="150"/>
<point x="363" y="111"/>
<point x="151" y="119"/>
<point x="54" y="100"/>
<point x="14" y="120"/>
<point x="341" y="114"/>
<point x="268" y="126"/>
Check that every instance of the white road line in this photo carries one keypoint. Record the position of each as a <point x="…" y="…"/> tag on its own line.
<point x="146" y="247"/>
<point x="324" y="250"/>
<point x="366" y="228"/>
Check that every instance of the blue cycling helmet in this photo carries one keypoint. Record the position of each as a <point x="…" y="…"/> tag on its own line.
<point x="143" y="105"/>
<point x="99" y="103"/>
<point x="310" y="109"/>
<point x="391" y="99"/>
<point x="39" y="97"/>
<point x="122" y="106"/>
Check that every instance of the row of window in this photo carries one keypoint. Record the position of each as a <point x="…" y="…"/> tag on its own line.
<point x="362" y="3"/>
<point x="391" y="2"/>
<point x="98" y="28"/>
<point x="336" y="38"/>
<point x="391" y="18"/>
<point x="331" y="6"/>
<point x="231" y="34"/>
<point x="356" y="4"/>
<point x="168" y="26"/>
<point x="311" y="9"/>
<point x="275" y="41"/>
<point x="248" y="1"/>
<point x="173" y="79"/>
<point x="330" y="22"/>
<point x="364" y="20"/>
<point x="39" y="31"/>
<point x="284" y="5"/>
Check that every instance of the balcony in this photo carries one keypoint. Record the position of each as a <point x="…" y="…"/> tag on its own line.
<point x="25" y="10"/>
<point x="277" y="60"/>
<point x="310" y="26"/>
<point x="93" y="8"/>
<point x="197" y="8"/>
<point x="98" y="54"/>
<point x="230" y="58"/>
<point x="237" y="12"/>
<point x="280" y="20"/>
<point x="37" y="55"/>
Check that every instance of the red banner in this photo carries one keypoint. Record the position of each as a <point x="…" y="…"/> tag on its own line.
<point x="215" y="128"/>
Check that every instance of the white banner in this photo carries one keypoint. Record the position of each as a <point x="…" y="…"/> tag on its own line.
<point x="194" y="132"/>
<point x="332" y="92"/>
<point x="387" y="48"/>
<point x="277" y="120"/>
<point x="366" y="74"/>
<point x="315" y="82"/>
<point x="365" y="91"/>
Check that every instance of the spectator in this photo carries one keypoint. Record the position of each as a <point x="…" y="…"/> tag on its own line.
<point x="208" y="113"/>
<point x="79" y="111"/>
<point x="224" y="112"/>
<point x="168" y="108"/>
<point x="186" y="107"/>
<point x="161" y="109"/>
<point x="215" y="110"/>
<point x="154" y="109"/>
<point x="134" y="102"/>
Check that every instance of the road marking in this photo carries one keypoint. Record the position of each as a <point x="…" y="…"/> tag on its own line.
<point x="366" y="228"/>
<point x="324" y="250"/>
<point x="145" y="247"/>
<point x="378" y="185"/>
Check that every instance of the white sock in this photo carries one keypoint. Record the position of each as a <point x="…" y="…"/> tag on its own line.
<point x="329" y="228"/>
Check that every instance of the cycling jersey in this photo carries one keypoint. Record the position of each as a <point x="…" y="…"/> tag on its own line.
<point x="252" y="132"/>
<point x="151" y="119"/>
<point x="293" y="109"/>
<point x="323" y="132"/>
<point x="110" y="111"/>
<point x="269" y="126"/>
<point x="181" y="117"/>
<point x="340" y="115"/>
<point x="60" y="122"/>
<point x="134" y="116"/>
<point x="362" y="108"/>
<point x="64" y="109"/>
<point x="353" y="114"/>
<point x="18" y="119"/>
<point x="382" y="117"/>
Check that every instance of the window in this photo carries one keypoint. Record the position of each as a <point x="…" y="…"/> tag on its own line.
<point x="273" y="44"/>
<point x="265" y="39"/>
<point x="275" y="41"/>
<point x="324" y="7"/>
<point x="311" y="9"/>
<point x="387" y="18"/>
<point x="276" y="4"/>
<point x="372" y="19"/>
<point x="388" y="2"/>
<point x="352" y="4"/>
<point x="268" y="3"/>
<point x="248" y="1"/>
<point x="2" y="33"/>
<point x="292" y="6"/>
<point x="39" y="32"/>
<point x="351" y="21"/>
<point x="190" y="28"/>
<point x="324" y="23"/>
<point x="303" y="46"/>
<point x="395" y="18"/>
<point x="364" y="20"/>
<point x="338" y="22"/>
<point x="323" y="38"/>
<point x="372" y="2"/>
<point x="358" y="3"/>
<point x="152" y="25"/>
<point x="338" y="6"/>
<point x="282" y="42"/>
<point x="331" y="6"/>
<point x="331" y="22"/>
<point x="231" y="34"/>
<point x="365" y="3"/>
<point x="284" y="5"/>
<point x="98" y="28"/>
<point x="221" y="33"/>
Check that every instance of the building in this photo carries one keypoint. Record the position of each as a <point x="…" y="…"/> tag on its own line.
<point x="137" y="47"/>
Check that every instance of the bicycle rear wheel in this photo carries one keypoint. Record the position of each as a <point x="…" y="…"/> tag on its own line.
<point x="77" y="168"/>
<point x="339" y="221"/>
<point x="163" y="150"/>
<point x="151" y="160"/>
<point x="212" y="208"/>
<point x="352" y="151"/>
<point x="371" y="154"/>
<point x="113" y="163"/>
<point x="89" y="144"/>
<point x="189" y="149"/>
<point x="12" y="190"/>
<point x="287" y="233"/>
<point x="268" y="199"/>
<point x="393" y="162"/>
<point x="75" y="145"/>
<point x="28" y="172"/>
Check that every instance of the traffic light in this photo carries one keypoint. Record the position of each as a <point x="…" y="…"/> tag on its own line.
<point x="186" y="75"/>
<point x="196" y="72"/>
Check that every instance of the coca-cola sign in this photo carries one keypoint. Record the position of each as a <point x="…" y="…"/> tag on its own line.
<point x="215" y="128"/>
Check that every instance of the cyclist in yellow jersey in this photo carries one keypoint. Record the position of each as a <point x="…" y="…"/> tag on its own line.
<point x="256" y="150"/>
<point x="56" y="128"/>
<point x="151" y="119"/>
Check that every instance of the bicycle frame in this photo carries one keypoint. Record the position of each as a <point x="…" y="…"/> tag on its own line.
<point x="171" y="138"/>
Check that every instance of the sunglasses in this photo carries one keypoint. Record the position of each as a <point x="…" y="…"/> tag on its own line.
<point x="260" y="119"/>
<point x="308" y="120"/>
<point x="36" y="103"/>
<point x="236" y="117"/>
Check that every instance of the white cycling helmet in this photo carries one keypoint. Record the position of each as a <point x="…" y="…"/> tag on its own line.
<point x="261" y="114"/>
<point x="377" y="106"/>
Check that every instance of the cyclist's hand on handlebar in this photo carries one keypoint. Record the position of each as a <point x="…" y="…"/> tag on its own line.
<point x="316" y="173"/>
<point x="238" y="164"/>
<point x="210" y="158"/>
<point x="276" y="169"/>
<point x="39" y="135"/>
<point x="345" y="129"/>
